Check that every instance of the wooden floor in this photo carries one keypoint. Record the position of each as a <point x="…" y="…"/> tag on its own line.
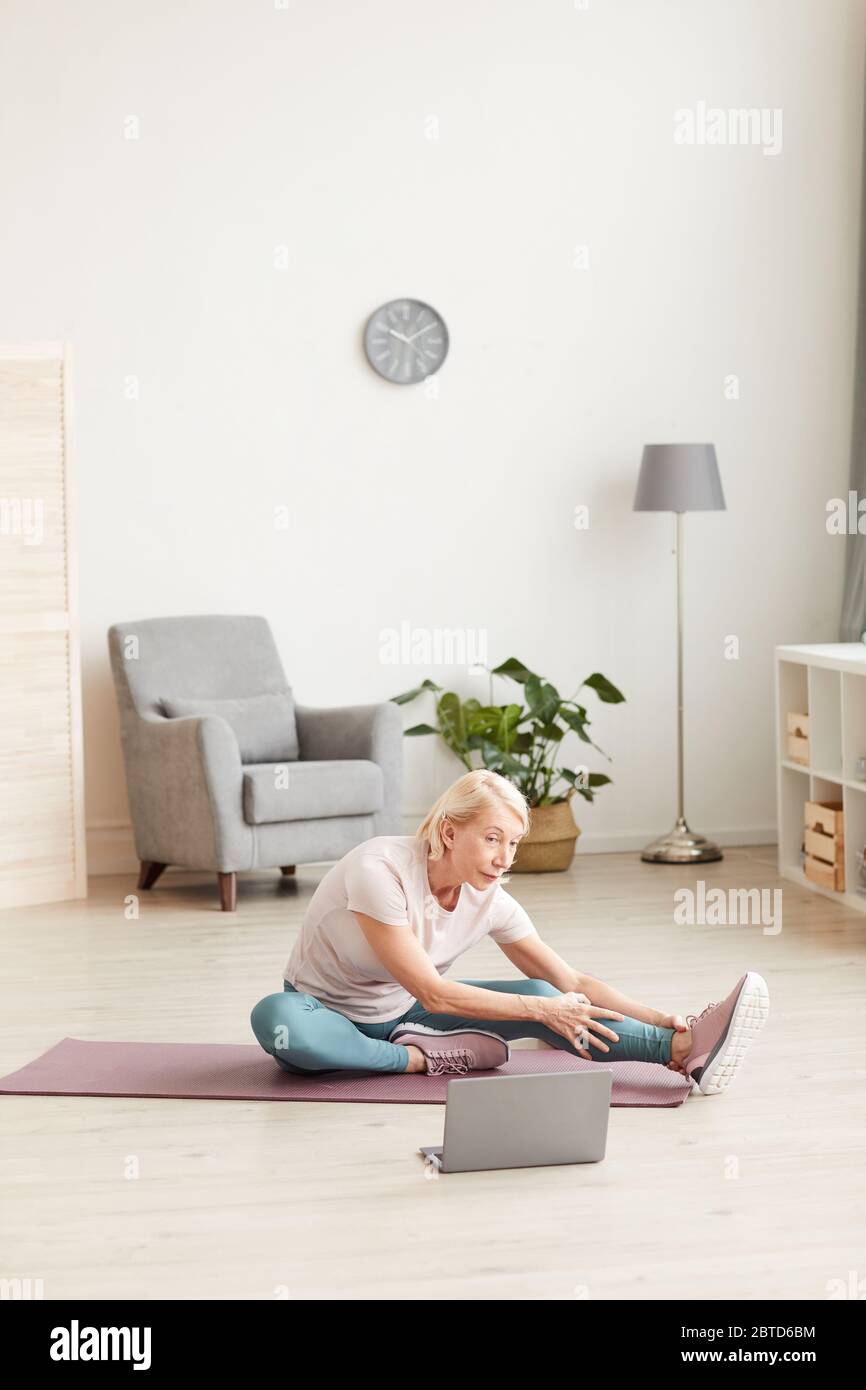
<point x="756" y="1193"/>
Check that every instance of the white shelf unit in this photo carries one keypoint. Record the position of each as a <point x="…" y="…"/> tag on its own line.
<point x="827" y="682"/>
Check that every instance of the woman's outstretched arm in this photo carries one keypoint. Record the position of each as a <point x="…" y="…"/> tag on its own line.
<point x="599" y="993"/>
<point x="538" y="961"/>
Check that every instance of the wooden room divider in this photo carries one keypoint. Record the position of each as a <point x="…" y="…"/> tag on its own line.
<point x="42" y="847"/>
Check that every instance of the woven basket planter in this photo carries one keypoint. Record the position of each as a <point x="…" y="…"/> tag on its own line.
<point x="549" y="846"/>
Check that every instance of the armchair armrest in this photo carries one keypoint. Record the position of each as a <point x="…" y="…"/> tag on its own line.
<point x="185" y="782"/>
<point x="373" y="732"/>
<point x="347" y="731"/>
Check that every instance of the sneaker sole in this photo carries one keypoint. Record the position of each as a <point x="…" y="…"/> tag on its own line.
<point x="443" y="1033"/>
<point x="451" y="1032"/>
<point x="750" y="1014"/>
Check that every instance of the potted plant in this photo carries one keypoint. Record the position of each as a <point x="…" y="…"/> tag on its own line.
<point x="521" y="742"/>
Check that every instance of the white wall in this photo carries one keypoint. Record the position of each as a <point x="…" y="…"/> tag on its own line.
<point x="306" y="127"/>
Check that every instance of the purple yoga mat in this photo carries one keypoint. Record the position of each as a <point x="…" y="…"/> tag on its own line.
<point x="243" y="1071"/>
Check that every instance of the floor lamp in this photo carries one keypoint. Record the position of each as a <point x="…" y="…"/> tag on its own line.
<point x="679" y="478"/>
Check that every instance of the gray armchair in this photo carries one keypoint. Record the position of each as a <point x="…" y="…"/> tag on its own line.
<point x="195" y="802"/>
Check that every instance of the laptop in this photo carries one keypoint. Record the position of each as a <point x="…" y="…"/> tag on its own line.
<point x="523" y="1121"/>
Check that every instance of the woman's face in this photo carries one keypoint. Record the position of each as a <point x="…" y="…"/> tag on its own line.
<point x="481" y="850"/>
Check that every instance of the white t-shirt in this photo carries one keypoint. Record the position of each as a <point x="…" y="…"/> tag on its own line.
<point x="386" y="878"/>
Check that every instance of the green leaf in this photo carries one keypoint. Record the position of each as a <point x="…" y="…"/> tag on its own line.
<point x="491" y="755"/>
<point x="476" y="739"/>
<point x="514" y="669"/>
<point x="508" y="721"/>
<point x="497" y="760"/>
<point x="575" y="718"/>
<point x="551" y="731"/>
<point x="543" y="699"/>
<point x="595" y="779"/>
<point x="411" y="694"/>
<point x="486" y="717"/>
<point x="451" y="721"/>
<point x="419" y="729"/>
<point x="569" y="776"/>
<point x="522" y="743"/>
<point x="513" y="769"/>
<point x="604" y="689"/>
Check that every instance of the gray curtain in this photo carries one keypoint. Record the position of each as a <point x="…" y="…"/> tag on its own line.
<point x="853" y="620"/>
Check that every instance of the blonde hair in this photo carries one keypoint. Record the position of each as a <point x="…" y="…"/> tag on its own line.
<point x="465" y="799"/>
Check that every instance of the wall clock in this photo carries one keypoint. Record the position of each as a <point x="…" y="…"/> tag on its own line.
<point x="405" y="341"/>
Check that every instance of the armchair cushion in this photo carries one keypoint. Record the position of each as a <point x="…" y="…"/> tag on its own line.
<point x="264" y="725"/>
<point x="312" y="790"/>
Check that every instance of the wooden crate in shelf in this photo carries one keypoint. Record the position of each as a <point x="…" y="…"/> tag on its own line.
<point x="798" y="738"/>
<point x="824" y="839"/>
<point x="826" y="817"/>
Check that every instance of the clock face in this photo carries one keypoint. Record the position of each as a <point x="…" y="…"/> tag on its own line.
<point x="405" y="341"/>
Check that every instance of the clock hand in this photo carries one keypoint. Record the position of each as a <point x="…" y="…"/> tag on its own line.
<point x="410" y="344"/>
<point x="421" y="330"/>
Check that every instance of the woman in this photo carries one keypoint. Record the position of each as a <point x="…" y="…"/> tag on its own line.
<point x="363" y="988"/>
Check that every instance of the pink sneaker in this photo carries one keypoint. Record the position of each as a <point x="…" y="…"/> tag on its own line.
<point x="458" y="1050"/>
<point x="721" y="1033"/>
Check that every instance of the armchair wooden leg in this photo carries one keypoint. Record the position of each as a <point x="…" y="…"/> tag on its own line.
<point x="287" y="869"/>
<point x="148" y="873"/>
<point x="228" y="892"/>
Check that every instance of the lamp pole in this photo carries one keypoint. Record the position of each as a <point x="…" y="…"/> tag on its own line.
<point x="680" y="845"/>
<point x="679" y="545"/>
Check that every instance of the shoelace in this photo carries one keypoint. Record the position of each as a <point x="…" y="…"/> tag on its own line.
<point x="696" y="1018"/>
<point x="448" y="1059"/>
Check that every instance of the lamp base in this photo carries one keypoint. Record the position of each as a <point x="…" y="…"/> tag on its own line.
<point x="681" y="846"/>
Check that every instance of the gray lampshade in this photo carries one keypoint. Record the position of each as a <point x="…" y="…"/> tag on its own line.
<point x="679" y="478"/>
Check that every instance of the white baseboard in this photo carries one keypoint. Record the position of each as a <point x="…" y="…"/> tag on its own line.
<point x="619" y="844"/>
<point x="622" y="842"/>
<point x="111" y="848"/>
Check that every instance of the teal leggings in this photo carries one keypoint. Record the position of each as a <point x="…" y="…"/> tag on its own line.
<point x="305" y="1036"/>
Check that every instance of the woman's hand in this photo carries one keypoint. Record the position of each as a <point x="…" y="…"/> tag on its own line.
<point x="574" y="1017"/>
